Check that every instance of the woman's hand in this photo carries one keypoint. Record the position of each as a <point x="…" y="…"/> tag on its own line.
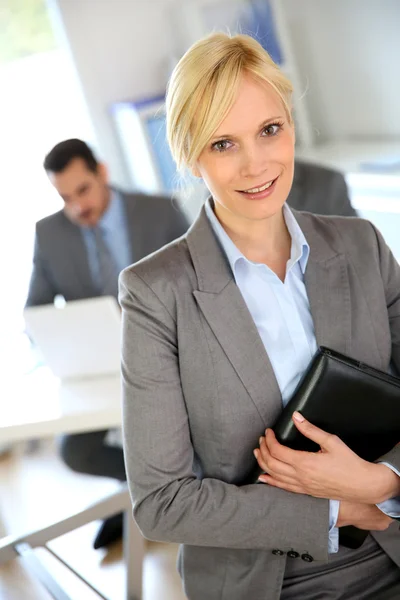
<point x="363" y="516"/>
<point x="335" y="472"/>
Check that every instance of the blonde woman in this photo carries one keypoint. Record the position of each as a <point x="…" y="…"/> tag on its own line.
<point x="219" y="326"/>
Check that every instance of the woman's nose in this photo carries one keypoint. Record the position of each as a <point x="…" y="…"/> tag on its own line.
<point x="254" y="164"/>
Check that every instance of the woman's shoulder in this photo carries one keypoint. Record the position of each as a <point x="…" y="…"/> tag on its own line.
<point x="334" y="222"/>
<point x="344" y="234"/>
<point x="167" y="268"/>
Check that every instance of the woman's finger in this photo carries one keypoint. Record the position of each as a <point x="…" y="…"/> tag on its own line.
<point x="324" y="439"/>
<point x="274" y="465"/>
<point x="259" y="458"/>
<point x="280" y="452"/>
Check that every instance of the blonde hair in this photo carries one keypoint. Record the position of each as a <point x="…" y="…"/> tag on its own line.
<point x="203" y="88"/>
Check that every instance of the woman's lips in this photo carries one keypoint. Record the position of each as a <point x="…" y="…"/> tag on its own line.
<point x="264" y="193"/>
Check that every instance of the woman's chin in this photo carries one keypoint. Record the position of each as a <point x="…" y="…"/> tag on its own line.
<point x="262" y="209"/>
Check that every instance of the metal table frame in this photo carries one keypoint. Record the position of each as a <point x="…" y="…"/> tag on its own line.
<point x="134" y="545"/>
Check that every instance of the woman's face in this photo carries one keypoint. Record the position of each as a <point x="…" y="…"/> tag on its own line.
<point x="248" y="164"/>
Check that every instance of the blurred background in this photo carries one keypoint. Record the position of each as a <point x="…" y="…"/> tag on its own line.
<point x="98" y="70"/>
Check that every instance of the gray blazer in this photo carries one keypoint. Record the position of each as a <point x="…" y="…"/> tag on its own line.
<point x="320" y="190"/>
<point x="60" y="262"/>
<point x="199" y="390"/>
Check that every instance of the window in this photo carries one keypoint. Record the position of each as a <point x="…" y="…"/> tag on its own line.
<point x="40" y="105"/>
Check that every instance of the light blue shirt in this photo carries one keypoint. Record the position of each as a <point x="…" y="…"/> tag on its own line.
<point x="116" y="236"/>
<point x="282" y="315"/>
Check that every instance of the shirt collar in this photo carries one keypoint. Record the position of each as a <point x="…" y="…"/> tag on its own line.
<point x="299" y="252"/>
<point x="300" y="249"/>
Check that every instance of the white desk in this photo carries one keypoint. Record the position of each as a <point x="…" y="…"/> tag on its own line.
<point x="38" y="405"/>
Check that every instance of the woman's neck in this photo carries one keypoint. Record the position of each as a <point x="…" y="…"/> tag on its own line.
<point x="266" y="241"/>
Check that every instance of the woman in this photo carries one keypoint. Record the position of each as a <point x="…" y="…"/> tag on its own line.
<point x="219" y="326"/>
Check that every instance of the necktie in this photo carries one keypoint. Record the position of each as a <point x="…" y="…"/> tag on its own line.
<point x="108" y="270"/>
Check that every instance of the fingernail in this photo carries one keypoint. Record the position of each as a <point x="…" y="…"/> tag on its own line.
<point x="255" y="453"/>
<point x="260" y="440"/>
<point x="299" y="417"/>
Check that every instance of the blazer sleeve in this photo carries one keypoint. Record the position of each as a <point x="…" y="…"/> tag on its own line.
<point x="169" y="502"/>
<point x="390" y="271"/>
<point x="41" y="290"/>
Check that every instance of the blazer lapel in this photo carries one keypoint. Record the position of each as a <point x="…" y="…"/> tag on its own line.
<point x="222" y="305"/>
<point x="220" y="301"/>
<point x="328" y="289"/>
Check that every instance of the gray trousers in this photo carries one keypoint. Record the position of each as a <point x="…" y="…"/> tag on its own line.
<point x="88" y="453"/>
<point x="363" y="574"/>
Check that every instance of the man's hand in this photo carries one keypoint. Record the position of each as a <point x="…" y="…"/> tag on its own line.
<point x="363" y="516"/>
<point x="335" y="472"/>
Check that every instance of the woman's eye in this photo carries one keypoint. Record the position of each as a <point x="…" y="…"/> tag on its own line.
<point x="221" y="146"/>
<point x="272" y="129"/>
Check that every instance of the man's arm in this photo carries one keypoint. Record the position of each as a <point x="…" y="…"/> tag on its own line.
<point x="179" y="223"/>
<point x="339" y="197"/>
<point x="41" y="290"/>
<point x="320" y="190"/>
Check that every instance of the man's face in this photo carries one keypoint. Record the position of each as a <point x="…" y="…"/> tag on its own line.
<point x="85" y="193"/>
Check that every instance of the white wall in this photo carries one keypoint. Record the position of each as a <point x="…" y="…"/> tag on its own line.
<point x="120" y="49"/>
<point x="348" y="51"/>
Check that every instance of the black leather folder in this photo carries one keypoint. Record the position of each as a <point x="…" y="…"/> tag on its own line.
<point x="345" y="397"/>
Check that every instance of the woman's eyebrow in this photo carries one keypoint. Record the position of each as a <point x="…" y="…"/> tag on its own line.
<point x="230" y="135"/>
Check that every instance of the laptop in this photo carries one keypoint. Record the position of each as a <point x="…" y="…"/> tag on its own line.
<point x="80" y="339"/>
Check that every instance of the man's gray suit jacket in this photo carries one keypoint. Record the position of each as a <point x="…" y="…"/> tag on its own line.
<point x="319" y="190"/>
<point x="60" y="262"/>
<point x="199" y="390"/>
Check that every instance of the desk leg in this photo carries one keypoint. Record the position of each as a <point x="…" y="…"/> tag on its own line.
<point x="35" y="566"/>
<point x="134" y="549"/>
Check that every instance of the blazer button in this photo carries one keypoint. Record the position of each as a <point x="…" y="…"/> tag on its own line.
<point x="293" y="554"/>
<point x="278" y="552"/>
<point x="307" y="557"/>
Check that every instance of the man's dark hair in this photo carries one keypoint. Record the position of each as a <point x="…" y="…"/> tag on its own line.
<point x="63" y="153"/>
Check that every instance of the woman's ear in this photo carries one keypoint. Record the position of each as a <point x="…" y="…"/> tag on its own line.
<point x="195" y="171"/>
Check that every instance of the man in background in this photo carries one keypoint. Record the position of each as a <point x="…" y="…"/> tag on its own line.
<point x="320" y="190"/>
<point x="79" y="253"/>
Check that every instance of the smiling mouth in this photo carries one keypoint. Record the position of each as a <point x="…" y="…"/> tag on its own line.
<point x="262" y="188"/>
